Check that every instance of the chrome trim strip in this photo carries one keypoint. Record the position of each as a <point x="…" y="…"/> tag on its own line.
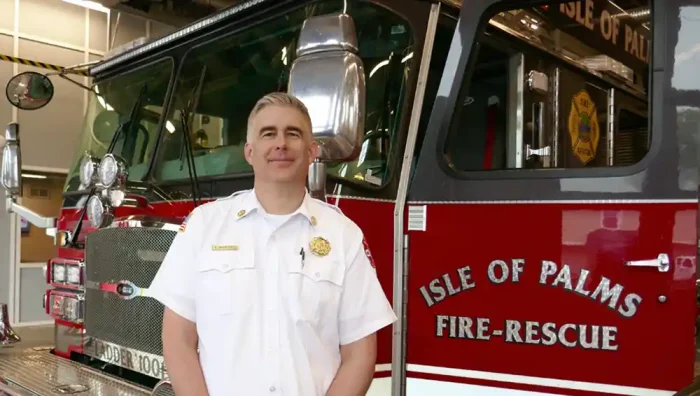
<point x="516" y="66"/>
<point x="145" y="222"/>
<point x="555" y="122"/>
<point x="611" y="127"/>
<point x="398" y="354"/>
<point x="355" y="198"/>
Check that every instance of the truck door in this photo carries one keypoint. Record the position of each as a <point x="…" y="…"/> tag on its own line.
<point x="551" y="220"/>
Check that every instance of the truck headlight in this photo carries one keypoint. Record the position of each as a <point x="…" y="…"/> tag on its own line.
<point x="65" y="306"/>
<point x="66" y="273"/>
<point x="88" y="170"/>
<point x="73" y="274"/>
<point x="112" y="171"/>
<point x="99" y="212"/>
<point x="58" y="273"/>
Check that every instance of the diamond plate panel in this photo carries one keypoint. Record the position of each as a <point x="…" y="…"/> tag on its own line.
<point x="41" y="373"/>
<point x="117" y="254"/>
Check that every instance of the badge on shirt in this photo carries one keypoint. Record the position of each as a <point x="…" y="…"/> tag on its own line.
<point x="368" y="253"/>
<point x="320" y="246"/>
<point x="218" y="248"/>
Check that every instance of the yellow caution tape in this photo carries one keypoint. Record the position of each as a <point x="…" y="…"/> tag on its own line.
<point x="42" y="65"/>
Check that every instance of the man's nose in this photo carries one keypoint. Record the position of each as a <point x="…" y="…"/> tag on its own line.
<point x="281" y="141"/>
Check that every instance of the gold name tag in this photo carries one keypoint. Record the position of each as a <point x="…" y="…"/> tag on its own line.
<point x="224" y="247"/>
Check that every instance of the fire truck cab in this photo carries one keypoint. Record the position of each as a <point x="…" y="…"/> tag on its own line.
<point x="525" y="174"/>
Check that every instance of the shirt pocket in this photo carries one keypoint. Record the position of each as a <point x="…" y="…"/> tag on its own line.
<point x="223" y="280"/>
<point x="316" y="288"/>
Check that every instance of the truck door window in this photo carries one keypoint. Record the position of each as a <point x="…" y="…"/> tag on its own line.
<point x="237" y="69"/>
<point x="555" y="86"/>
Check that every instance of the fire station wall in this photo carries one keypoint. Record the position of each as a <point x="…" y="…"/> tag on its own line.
<point x="59" y="33"/>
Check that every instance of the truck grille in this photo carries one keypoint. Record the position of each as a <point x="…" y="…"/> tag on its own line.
<point x="135" y="255"/>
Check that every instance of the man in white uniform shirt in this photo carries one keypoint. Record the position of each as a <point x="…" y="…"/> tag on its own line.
<point x="269" y="291"/>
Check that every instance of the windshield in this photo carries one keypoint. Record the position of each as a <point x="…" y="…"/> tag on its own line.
<point x="222" y="80"/>
<point x="113" y="104"/>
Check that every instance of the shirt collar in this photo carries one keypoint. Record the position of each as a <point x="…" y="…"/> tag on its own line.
<point x="250" y="204"/>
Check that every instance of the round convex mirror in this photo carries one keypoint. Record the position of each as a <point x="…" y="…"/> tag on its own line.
<point x="29" y="91"/>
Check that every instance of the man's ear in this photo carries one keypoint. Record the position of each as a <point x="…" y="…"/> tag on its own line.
<point x="314" y="149"/>
<point x="248" y="152"/>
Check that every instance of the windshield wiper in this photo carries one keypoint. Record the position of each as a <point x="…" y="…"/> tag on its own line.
<point x="127" y="122"/>
<point x="185" y="113"/>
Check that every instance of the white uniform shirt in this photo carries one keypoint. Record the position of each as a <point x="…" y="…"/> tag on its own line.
<point x="270" y="312"/>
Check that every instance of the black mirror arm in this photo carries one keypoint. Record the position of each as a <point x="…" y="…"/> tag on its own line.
<point x="76" y="83"/>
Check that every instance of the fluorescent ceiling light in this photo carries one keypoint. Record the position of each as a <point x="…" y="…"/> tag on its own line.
<point x="33" y="176"/>
<point x="93" y="5"/>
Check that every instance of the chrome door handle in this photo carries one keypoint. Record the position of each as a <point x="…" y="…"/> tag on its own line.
<point x="662" y="263"/>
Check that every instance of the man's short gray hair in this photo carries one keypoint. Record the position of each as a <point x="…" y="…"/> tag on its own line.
<point x="276" y="99"/>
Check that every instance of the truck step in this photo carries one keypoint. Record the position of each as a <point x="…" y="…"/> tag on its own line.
<point x="41" y="373"/>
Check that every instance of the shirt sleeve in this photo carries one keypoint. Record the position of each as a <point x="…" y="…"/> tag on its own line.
<point x="172" y="283"/>
<point x="364" y="307"/>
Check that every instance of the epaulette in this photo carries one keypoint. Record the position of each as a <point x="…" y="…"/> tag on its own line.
<point x="337" y="209"/>
<point x="237" y="193"/>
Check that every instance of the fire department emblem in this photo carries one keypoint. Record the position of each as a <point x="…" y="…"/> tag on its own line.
<point x="583" y="127"/>
<point x="183" y="226"/>
<point x="319" y="246"/>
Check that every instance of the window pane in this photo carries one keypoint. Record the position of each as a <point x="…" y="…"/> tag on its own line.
<point x="555" y="86"/>
<point x="239" y="69"/>
<point x="114" y="105"/>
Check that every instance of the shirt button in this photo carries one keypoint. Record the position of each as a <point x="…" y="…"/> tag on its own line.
<point x="317" y="274"/>
<point x="272" y="389"/>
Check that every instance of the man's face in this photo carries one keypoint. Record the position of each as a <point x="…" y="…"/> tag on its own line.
<point x="282" y="147"/>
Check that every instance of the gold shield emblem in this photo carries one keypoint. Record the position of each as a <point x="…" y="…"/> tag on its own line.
<point x="583" y="127"/>
<point x="319" y="246"/>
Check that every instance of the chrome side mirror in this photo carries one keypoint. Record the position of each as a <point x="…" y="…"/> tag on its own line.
<point x="29" y="91"/>
<point x="329" y="77"/>
<point x="12" y="161"/>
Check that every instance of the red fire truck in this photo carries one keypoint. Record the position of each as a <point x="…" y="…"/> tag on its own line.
<point x="525" y="173"/>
